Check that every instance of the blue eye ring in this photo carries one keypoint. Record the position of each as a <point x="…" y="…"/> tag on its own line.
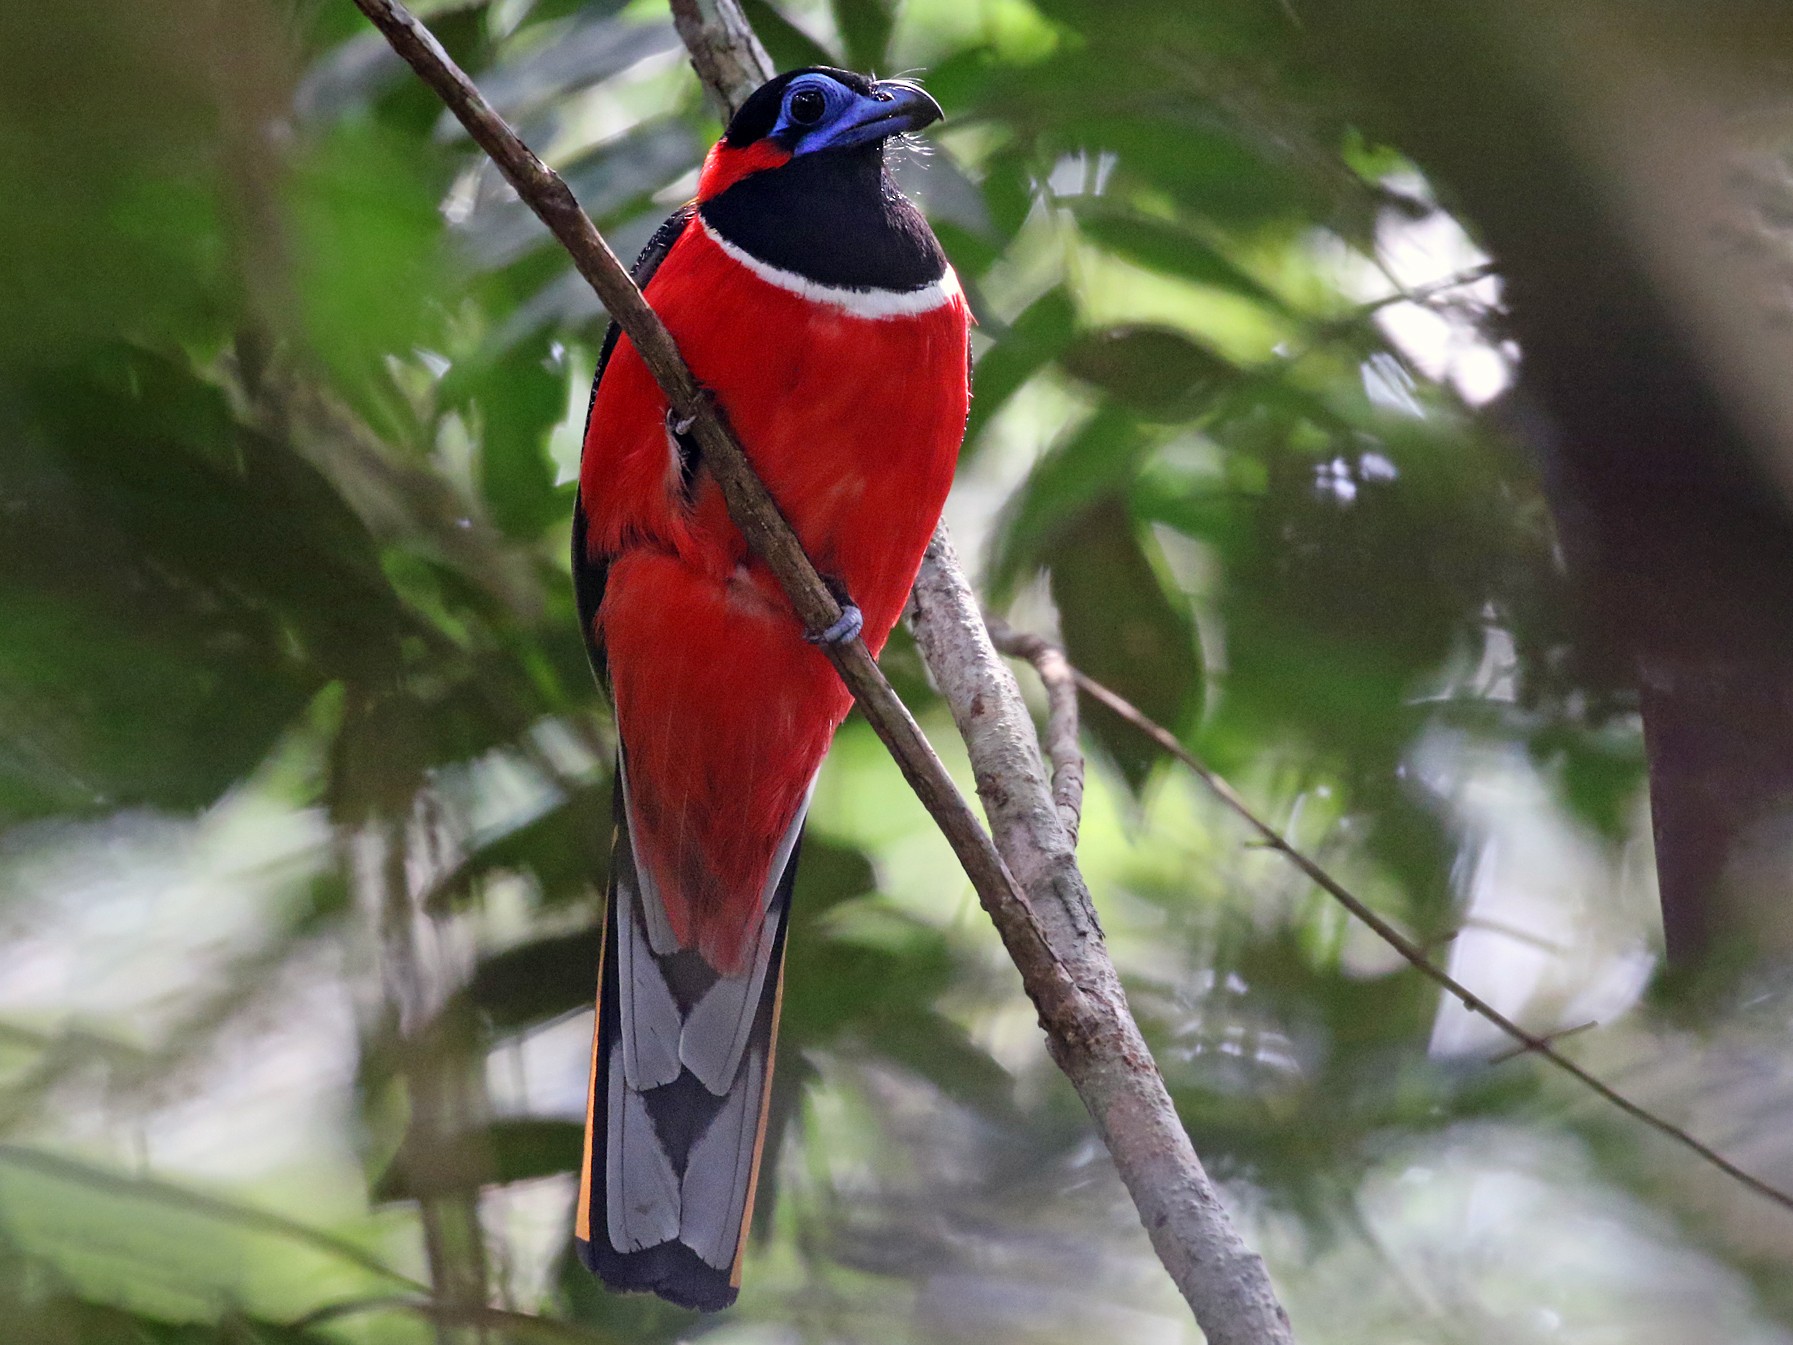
<point x="806" y="106"/>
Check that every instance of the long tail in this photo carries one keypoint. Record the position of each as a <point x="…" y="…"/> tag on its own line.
<point x="681" y="1071"/>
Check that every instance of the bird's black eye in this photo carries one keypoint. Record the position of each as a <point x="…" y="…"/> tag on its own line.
<point x="807" y="106"/>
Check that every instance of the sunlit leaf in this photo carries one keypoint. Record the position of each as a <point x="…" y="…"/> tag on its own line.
<point x="1091" y="464"/>
<point x="515" y="400"/>
<point x="1171" y="249"/>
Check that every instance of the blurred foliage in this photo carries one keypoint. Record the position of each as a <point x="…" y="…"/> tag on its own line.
<point x="304" y="784"/>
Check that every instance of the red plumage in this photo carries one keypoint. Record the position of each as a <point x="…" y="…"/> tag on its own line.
<point x="725" y="709"/>
<point x="814" y="303"/>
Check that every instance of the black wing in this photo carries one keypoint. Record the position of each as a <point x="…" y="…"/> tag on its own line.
<point x="589" y="571"/>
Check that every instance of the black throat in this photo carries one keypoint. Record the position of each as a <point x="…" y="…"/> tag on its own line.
<point x="834" y="218"/>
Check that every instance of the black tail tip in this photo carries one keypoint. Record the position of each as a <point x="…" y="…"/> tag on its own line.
<point x="671" y="1270"/>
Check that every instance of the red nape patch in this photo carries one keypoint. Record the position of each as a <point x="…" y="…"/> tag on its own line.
<point x="725" y="165"/>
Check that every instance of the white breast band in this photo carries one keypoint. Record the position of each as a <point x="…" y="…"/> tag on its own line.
<point x="861" y="303"/>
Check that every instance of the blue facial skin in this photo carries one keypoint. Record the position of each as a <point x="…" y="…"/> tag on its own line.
<point x="849" y="120"/>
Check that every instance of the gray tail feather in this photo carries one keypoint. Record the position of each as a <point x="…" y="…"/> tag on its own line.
<point x="669" y="1171"/>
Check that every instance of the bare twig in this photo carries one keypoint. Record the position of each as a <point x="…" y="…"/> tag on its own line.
<point x="1090" y="1032"/>
<point x="1062" y="748"/>
<point x="1529" y="1043"/>
<point x="1514" y="1052"/>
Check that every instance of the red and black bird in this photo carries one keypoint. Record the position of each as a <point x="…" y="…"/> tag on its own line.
<point x="813" y="300"/>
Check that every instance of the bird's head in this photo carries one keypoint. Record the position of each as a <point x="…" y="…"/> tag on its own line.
<point x="819" y="110"/>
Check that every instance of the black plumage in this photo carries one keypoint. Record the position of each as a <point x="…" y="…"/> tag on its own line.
<point x="836" y="219"/>
<point x="589" y="571"/>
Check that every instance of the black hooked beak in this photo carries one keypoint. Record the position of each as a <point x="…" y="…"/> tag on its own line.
<point x="893" y="107"/>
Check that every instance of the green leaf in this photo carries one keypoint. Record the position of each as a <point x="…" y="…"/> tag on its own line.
<point x="1123" y="628"/>
<point x="838" y="983"/>
<point x="788" y="45"/>
<point x="538" y="980"/>
<point x="1009" y="190"/>
<point x="116" y="213"/>
<point x="1095" y="461"/>
<point x="1044" y="330"/>
<point x="1170" y="249"/>
<point x="865" y="27"/>
<point x="178" y="589"/>
<point x="516" y="400"/>
<point x="937" y="1049"/>
<point x="1155" y="371"/>
<point x="1601" y="774"/>
<point x="514" y="1149"/>
<point x="828" y="873"/>
<point x="1211" y="173"/>
<point x="970" y="253"/>
<point x="565" y="848"/>
<point x="411" y="107"/>
<point x="365" y="239"/>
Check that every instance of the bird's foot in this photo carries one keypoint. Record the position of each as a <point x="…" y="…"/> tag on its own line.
<point x="850" y="624"/>
<point x="678" y="426"/>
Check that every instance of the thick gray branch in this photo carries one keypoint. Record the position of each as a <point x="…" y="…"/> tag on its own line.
<point x="1102" y="1052"/>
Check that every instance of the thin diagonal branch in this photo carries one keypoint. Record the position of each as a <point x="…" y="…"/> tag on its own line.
<point x="1514" y="1052"/>
<point x="1529" y="1043"/>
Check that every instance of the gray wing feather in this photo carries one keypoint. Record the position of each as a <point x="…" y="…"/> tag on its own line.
<point x="644" y="1192"/>
<point x="713" y="1197"/>
<point x="716" y="1032"/>
<point x="648" y="1201"/>
<point x="717" y="1029"/>
<point x="651" y="1025"/>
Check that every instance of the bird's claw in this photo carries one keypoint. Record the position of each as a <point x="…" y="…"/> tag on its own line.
<point x="850" y="624"/>
<point x="677" y="424"/>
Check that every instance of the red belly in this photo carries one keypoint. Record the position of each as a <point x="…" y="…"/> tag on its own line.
<point x="725" y="712"/>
